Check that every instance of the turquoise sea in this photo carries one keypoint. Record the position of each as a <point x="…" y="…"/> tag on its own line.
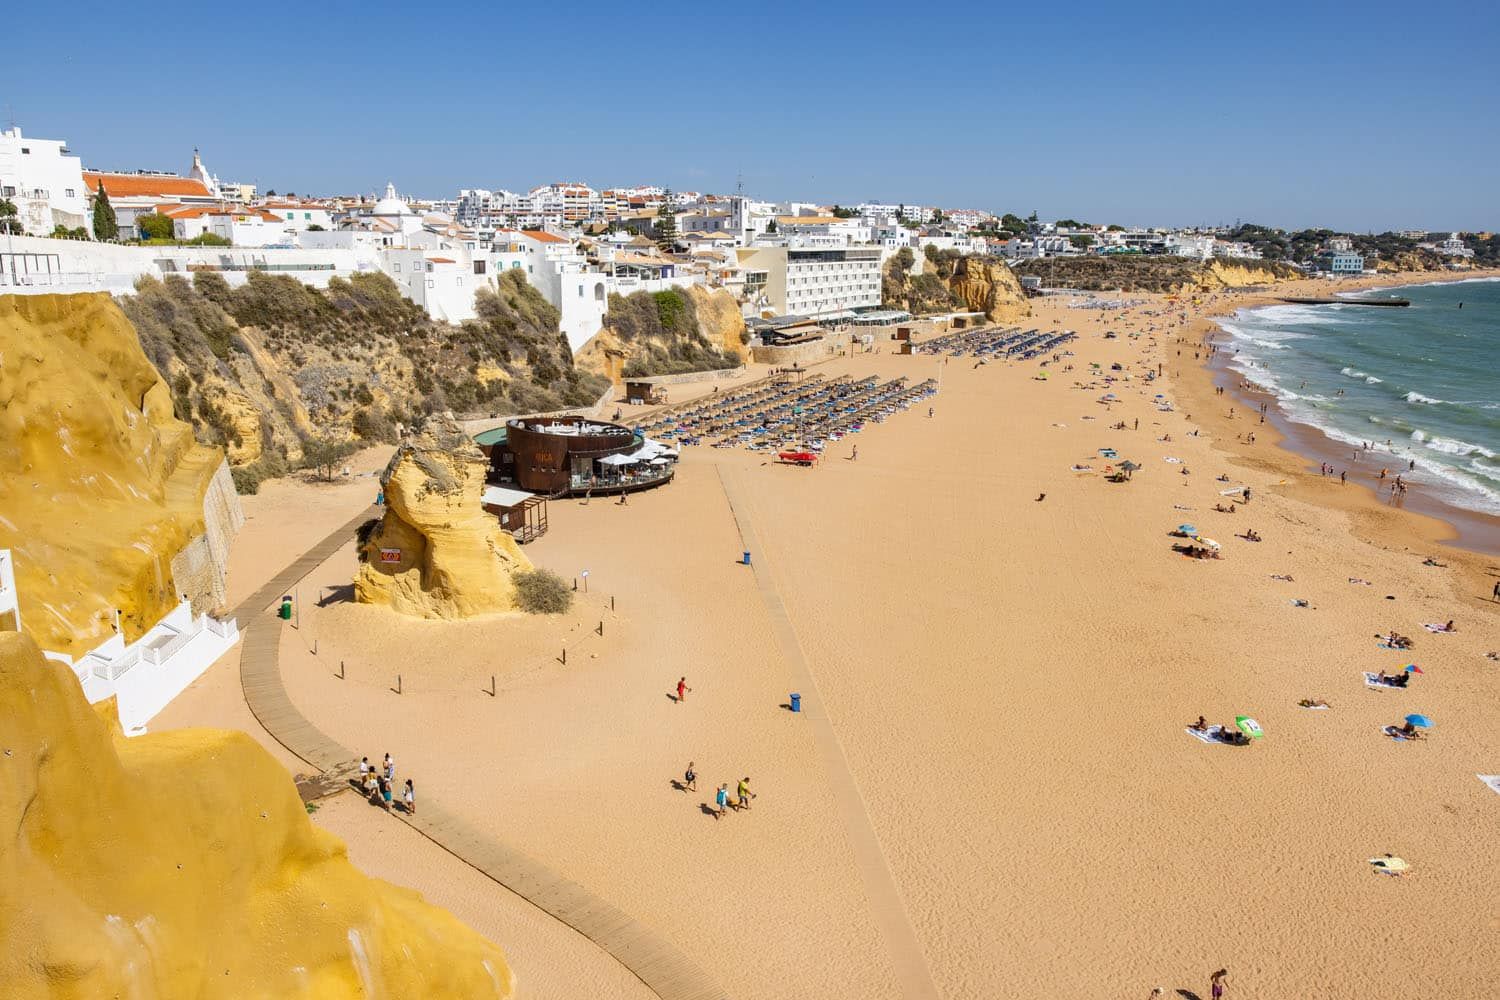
<point x="1426" y="379"/>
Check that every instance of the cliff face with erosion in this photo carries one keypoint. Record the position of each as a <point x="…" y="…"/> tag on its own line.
<point x="989" y="287"/>
<point x="436" y="553"/>
<point x="667" y="333"/>
<point x="105" y="499"/>
<point x="183" y="864"/>
<point x="1217" y="274"/>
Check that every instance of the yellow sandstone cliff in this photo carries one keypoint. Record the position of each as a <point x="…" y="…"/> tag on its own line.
<point x="1220" y="273"/>
<point x="436" y="553"/>
<point x="989" y="287"/>
<point x="105" y="499"/>
<point x="183" y="864"/>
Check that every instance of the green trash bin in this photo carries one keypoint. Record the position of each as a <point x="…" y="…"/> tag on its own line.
<point x="286" y="609"/>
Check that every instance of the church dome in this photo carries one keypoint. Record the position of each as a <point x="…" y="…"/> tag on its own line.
<point x="390" y="204"/>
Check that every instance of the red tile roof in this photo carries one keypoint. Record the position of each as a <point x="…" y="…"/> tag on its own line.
<point x="145" y="185"/>
<point x="542" y="237"/>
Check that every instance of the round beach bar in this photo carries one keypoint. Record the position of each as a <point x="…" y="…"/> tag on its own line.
<point x="561" y="456"/>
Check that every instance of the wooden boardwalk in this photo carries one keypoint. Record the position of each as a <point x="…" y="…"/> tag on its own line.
<point x="886" y="905"/>
<point x="659" y="964"/>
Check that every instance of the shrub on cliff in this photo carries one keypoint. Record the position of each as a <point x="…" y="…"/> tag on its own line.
<point x="541" y="592"/>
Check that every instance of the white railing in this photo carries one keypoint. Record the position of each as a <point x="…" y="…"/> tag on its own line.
<point x="157" y="655"/>
<point x="108" y="668"/>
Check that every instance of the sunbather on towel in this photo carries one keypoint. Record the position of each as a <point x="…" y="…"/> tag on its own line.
<point x="1201" y="726"/>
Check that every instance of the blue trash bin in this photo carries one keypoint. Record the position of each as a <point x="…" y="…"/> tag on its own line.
<point x="796" y="703"/>
<point x="746" y="559"/>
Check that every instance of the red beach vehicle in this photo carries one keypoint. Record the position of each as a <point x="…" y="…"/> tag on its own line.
<point x="803" y="458"/>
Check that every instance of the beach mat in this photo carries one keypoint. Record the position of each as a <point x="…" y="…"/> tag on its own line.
<point x="1211" y="735"/>
<point x="1394" y="732"/>
<point x="1493" y="780"/>
<point x="1436" y="628"/>
<point x="1371" y="681"/>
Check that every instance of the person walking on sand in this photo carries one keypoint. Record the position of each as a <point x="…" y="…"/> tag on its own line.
<point x="409" y="797"/>
<point x="1216" y="984"/>
<point x="744" y="794"/>
<point x="364" y="769"/>
<point x="390" y="768"/>
<point x="690" y="779"/>
<point x="682" y="689"/>
<point x="721" y="801"/>
<point x="854" y="454"/>
<point x="385" y="793"/>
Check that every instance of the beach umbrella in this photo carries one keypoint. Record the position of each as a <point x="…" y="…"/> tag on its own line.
<point x="1206" y="541"/>
<point x="1412" y="668"/>
<point x="1249" y="726"/>
<point x="1187" y="529"/>
<point x="1129" y="466"/>
<point x="1419" y="720"/>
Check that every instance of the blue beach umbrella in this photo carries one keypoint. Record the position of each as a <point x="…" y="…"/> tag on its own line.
<point x="1187" y="529"/>
<point x="1419" y="720"/>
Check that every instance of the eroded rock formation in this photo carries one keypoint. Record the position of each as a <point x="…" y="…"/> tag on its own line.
<point x="436" y="553"/>
<point x="989" y="287"/>
<point x="183" y="864"/>
<point x="105" y="499"/>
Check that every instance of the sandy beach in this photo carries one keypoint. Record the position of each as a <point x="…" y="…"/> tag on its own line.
<point x="1005" y="677"/>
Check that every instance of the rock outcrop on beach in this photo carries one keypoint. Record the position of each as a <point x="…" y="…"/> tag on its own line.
<point x="183" y="864"/>
<point x="436" y="553"/>
<point x="106" y="501"/>
<point x="1135" y="273"/>
<point x="670" y="332"/>
<point x="988" y="286"/>
<point x="1222" y="274"/>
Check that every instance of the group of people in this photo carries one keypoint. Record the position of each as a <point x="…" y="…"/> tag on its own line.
<point x="1224" y="734"/>
<point x="722" y="803"/>
<point x="378" y="784"/>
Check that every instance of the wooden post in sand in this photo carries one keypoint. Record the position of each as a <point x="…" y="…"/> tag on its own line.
<point x="492" y="685"/>
<point x="601" y="630"/>
<point x="398" y="683"/>
<point x="341" y="670"/>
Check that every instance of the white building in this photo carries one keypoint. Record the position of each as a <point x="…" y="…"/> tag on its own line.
<point x="240" y="225"/>
<point x="300" y="215"/>
<point x="44" y="180"/>
<point x="810" y="282"/>
<point x="138" y="194"/>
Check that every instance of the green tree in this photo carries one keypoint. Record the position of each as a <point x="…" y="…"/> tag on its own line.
<point x="10" y="219"/>
<point x="155" y="226"/>
<point x="666" y="223"/>
<point x="105" y="225"/>
<point x="1012" y="223"/>
<point x="323" y="454"/>
<point x="62" y="232"/>
<point x="937" y="216"/>
<point x="840" y="212"/>
<point x="771" y="228"/>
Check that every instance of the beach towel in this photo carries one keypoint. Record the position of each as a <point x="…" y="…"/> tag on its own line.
<point x="1315" y="708"/>
<point x="1373" y="680"/>
<point x="1169" y="458"/>
<point x="1493" y="780"/>
<point x="1390" y="865"/>
<point x="1211" y="735"/>
<point x="1237" y="489"/>
<point x="1439" y="628"/>
<point x="1395" y="733"/>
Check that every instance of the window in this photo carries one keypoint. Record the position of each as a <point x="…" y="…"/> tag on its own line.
<point x="431" y="283"/>
<point x="479" y="267"/>
<point x="69" y="192"/>
<point x="397" y="266"/>
<point x="307" y="215"/>
<point x="25" y="150"/>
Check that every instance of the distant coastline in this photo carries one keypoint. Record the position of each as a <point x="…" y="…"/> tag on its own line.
<point x="1306" y="444"/>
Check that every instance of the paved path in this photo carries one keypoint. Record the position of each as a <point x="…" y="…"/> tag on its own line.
<point x="658" y="963"/>
<point x="912" y="974"/>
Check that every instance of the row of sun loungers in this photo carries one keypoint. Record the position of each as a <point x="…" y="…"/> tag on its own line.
<point x="811" y="413"/>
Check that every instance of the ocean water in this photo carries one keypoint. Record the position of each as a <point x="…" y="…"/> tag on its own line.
<point x="1425" y="378"/>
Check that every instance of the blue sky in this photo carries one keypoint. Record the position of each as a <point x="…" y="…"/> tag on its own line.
<point x="1352" y="115"/>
